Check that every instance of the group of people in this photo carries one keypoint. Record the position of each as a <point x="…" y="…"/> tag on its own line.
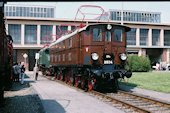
<point x="19" y="71"/>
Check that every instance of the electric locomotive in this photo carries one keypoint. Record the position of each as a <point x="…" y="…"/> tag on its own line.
<point x="92" y="57"/>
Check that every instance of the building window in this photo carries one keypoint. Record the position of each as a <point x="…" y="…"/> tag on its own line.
<point x="15" y="32"/>
<point x="73" y="28"/>
<point x="56" y="49"/>
<point x="55" y="58"/>
<point x="97" y="34"/>
<point x="167" y="38"/>
<point x="69" y="56"/>
<point x="59" y="46"/>
<point x="144" y="37"/>
<point x="155" y="37"/>
<point x="46" y="34"/>
<point x="63" y="57"/>
<point x="64" y="44"/>
<point x="118" y="35"/>
<point x="59" y="58"/>
<point x="108" y="36"/>
<point x="61" y="30"/>
<point x="30" y="34"/>
<point x="70" y="42"/>
<point x="131" y="37"/>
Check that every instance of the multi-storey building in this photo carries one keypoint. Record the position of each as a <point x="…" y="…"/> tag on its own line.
<point x="149" y="38"/>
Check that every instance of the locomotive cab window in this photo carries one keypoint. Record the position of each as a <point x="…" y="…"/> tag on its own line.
<point x="118" y="35"/>
<point x="97" y="34"/>
<point x="108" y="36"/>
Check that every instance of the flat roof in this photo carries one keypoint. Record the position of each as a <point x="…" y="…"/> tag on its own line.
<point x="90" y="21"/>
<point x="134" y="11"/>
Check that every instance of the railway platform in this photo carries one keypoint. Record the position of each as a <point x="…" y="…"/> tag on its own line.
<point x="46" y="96"/>
<point x="57" y="98"/>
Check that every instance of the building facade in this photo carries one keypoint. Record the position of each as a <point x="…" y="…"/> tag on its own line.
<point x="151" y="39"/>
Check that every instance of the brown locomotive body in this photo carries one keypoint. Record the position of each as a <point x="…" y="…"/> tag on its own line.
<point x="92" y="56"/>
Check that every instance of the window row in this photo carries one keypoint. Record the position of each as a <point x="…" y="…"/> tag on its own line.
<point x="138" y="17"/>
<point x="29" y="11"/>
<point x="61" y="58"/>
<point x="62" y="46"/>
<point x="143" y="39"/>
<point x="46" y="36"/>
<point x="97" y="35"/>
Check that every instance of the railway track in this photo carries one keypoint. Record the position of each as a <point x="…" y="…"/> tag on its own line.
<point x="127" y="102"/>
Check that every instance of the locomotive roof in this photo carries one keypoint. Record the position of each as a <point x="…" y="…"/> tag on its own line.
<point x="44" y="48"/>
<point x="64" y="37"/>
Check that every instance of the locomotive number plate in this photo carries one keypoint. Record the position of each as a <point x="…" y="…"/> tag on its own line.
<point x="108" y="62"/>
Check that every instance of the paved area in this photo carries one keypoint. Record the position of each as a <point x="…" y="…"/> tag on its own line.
<point x="57" y="98"/>
<point x="22" y="99"/>
<point x="164" y="97"/>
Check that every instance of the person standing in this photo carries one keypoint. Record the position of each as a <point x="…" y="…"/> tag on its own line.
<point x="22" y="72"/>
<point x="16" y="70"/>
<point x="36" y="72"/>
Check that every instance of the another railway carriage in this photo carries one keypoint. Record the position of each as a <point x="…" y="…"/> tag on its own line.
<point x="92" y="57"/>
<point x="6" y="57"/>
<point x="44" y="60"/>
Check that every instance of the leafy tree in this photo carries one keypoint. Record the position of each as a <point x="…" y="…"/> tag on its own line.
<point x="139" y="63"/>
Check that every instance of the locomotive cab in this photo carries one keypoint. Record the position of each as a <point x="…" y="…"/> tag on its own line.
<point x="108" y="63"/>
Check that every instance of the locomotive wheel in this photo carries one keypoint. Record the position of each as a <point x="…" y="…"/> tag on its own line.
<point x="58" y="76"/>
<point x="90" y="85"/>
<point x="71" y="80"/>
<point x="76" y="81"/>
<point x="66" y="78"/>
<point x="82" y="82"/>
<point x="62" y="77"/>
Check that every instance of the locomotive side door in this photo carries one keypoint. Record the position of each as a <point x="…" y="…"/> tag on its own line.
<point x="107" y="41"/>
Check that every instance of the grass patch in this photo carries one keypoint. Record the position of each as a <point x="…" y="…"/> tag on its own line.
<point x="156" y="81"/>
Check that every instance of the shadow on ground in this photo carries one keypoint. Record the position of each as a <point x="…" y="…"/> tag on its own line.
<point x="22" y="104"/>
<point x="51" y="106"/>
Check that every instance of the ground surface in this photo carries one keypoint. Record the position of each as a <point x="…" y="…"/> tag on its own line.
<point x="22" y="99"/>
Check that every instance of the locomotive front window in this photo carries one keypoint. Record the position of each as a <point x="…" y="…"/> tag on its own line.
<point x="108" y="36"/>
<point x="97" y="34"/>
<point x="118" y="35"/>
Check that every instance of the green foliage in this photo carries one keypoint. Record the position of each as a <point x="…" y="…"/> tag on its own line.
<point x="139" y="63"/>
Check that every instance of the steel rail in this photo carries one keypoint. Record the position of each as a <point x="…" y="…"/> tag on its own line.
<point x="145" y="98"/>
<point x="141" y="110"/>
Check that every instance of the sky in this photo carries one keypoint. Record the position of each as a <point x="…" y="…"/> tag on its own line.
<point x="67" y="10"/>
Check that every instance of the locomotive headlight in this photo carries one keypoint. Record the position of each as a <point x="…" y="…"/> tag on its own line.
<point x="123" y="56"/>
<point x="95" y="56"/>
<point x="109" y="27"/>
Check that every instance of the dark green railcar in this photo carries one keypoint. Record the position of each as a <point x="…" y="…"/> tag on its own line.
<point x="44" y="59"/>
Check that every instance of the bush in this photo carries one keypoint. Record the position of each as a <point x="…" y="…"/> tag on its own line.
<point x="139" y="63"/>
